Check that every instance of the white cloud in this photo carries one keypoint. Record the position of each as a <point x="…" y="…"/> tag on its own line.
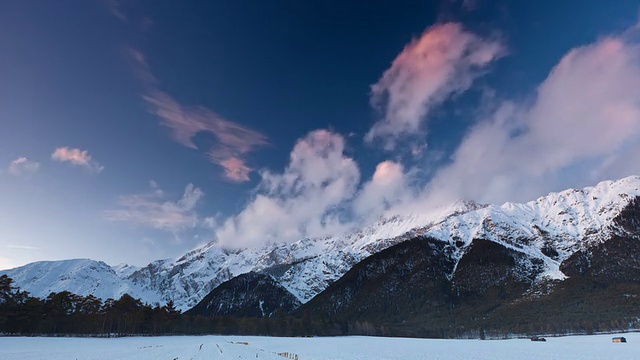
<point x="583" y="127"/>
<point x="445" y="60"/>
<point x="387" y="188"/>
<point x="152" y="210"/>
<point x="23" y="166"/>
<point x="77" y="157"/>
<point x="304" y="200"/>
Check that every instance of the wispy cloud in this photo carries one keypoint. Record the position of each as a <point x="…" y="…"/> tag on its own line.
<point x="115" y="8"/>
<point x="23" y="166"/>
<point x="233" y="141"/>
<point x="445" y="60"/>
<point x="153" y="210"/>
<point x="129" y="14"/>
<point x="304" y="200"/>
<point x="23" y="247"/>
<point x="77" y="157"/>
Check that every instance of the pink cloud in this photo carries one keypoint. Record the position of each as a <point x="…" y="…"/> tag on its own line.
<point x="388" y="187"/>
<point x="233" y="141"/>
<point x="445" y="60"/>
<point x="387" y="172"/>
<point x="235" y="169"/>
<point x="76" y="157"/>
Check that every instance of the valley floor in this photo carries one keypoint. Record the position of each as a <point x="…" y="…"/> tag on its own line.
<point x="338" y="348"/>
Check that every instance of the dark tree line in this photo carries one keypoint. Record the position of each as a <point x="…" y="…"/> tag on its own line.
<point x="67" y="313"/>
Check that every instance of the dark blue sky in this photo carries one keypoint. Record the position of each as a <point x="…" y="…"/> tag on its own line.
<point x="92" y="95"/>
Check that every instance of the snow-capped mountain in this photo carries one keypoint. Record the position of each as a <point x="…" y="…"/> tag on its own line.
<point x="78" y="276"/>
<point x="499" y="271"/>
<point x="549" y="229"/>
<point x="304" y="268"/>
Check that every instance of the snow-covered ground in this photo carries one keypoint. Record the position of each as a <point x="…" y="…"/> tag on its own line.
<point x="336" y="348"/>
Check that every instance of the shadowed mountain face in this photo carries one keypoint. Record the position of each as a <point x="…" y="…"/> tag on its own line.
<point x="247" y="295"/>
<point x="617" y="259"/>
<point x="411" y="275"/>
<point x="417" y="287"/>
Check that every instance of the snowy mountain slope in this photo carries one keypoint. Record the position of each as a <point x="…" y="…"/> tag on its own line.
<point x="550" y="229"/>
<point x="78" y="276"/>
<point x="124" y="270"/>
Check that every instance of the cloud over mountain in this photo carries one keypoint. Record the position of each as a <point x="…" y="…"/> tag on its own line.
<point x="304" y="200"/>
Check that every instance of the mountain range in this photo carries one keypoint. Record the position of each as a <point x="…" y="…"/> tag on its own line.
<point x="480" y="263"/>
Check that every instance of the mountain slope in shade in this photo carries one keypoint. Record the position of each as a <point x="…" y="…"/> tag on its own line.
<point x="247" y="295"/>
<point x="546" y="232"/>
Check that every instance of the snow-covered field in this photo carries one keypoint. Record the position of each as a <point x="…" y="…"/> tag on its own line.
<point x="336" y="348"/>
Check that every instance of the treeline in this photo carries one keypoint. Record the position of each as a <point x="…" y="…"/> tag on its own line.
<point x="67" y="313"/>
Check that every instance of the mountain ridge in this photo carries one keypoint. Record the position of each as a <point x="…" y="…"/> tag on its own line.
<point x="551" y="228"/>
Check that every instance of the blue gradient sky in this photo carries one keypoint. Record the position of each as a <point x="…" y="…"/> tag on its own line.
<point x="137" y="130"/>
